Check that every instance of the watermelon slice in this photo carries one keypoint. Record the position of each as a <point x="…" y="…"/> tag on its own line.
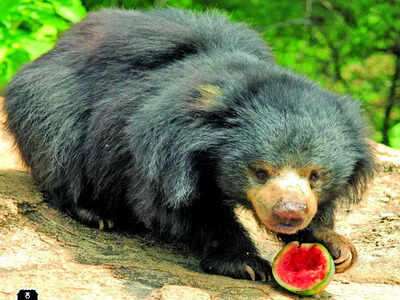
<point x="304" y="269"/>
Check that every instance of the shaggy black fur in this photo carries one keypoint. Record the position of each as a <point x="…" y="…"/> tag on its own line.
<point x="116" y="124"/>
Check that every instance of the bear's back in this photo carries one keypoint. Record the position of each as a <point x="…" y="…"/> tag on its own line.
<point x="153" y="39"/>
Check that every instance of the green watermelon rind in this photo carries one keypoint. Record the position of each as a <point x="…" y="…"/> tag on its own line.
<point x="314" y="289"/>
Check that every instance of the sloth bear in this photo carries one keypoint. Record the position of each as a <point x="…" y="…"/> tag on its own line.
<point x="169" y="120"/>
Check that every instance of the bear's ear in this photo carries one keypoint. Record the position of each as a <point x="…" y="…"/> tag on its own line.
<point x="208" y="97"/>
<point x="363" y="172"/>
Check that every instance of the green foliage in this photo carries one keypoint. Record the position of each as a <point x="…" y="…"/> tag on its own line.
<point x="29" y="28"/>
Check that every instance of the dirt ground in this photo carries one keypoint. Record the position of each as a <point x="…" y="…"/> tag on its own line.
<point x="42" y="249"/>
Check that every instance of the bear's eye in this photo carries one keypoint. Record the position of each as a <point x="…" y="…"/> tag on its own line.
<point x="313" y="178"/>
<point x="261" y="175"/>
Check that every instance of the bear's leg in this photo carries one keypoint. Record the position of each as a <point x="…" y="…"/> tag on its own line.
<point x="84" y="215"/>
<point x="229" y="251"/>
<point x="91" y="218"/>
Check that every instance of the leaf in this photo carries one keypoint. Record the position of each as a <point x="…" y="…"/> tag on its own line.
<point x="394" y="136"/>
<point x="50" y="19"/>
<point x="71" y="10"/>
<point x="32" y="46"/>
<point x="47" y="31"/>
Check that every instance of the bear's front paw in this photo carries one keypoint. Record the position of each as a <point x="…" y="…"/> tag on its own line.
<point x="344" y="253"/>
<point x="242" y="266"/>
<point x="342" y="249"/>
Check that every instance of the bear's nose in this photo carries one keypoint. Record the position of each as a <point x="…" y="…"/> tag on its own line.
<point x="289" y="209"/>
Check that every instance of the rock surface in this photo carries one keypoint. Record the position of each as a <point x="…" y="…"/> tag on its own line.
<point x="45" y="250"/>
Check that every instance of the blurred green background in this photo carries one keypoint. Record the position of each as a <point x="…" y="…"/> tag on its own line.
<point x="351" y="47"/>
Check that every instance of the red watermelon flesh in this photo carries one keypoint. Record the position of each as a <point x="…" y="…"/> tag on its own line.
<point x="304" y="269"/>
